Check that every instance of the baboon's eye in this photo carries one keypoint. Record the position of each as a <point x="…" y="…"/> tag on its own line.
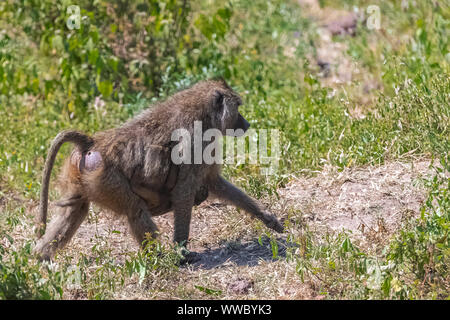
<point x="218" y="100"/>
<point x="238" y="101"/>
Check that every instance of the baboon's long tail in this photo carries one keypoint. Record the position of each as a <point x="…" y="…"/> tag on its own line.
<point x="81" y="140"/>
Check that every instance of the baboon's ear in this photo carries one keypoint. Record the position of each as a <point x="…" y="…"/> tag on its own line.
<point x="218" y="100"/>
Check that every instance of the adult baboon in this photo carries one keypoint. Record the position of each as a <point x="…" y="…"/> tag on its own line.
<point x="129" y="169"/>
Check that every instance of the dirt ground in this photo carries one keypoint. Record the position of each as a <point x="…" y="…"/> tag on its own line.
<point x="361" y="199"/>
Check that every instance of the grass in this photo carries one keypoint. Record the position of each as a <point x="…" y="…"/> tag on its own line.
<point x="266" y="51"/>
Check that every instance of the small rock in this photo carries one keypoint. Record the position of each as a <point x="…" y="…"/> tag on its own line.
<point x="240" y="286"/>
<point x="325" y="67"/>
<point x="343" y="26"/>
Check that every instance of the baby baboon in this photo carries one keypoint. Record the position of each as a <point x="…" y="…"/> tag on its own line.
<point x="129" y="169"/>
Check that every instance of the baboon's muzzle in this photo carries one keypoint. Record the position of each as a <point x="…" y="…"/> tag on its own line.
<point x="241" y="123"/>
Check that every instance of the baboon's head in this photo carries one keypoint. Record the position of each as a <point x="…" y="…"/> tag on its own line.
<point x="225" y="104"/>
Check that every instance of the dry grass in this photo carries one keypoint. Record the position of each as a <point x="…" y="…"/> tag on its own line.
<point x="369" y="201"/>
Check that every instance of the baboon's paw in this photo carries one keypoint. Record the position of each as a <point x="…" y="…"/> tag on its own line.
<point x="275" y="225"/>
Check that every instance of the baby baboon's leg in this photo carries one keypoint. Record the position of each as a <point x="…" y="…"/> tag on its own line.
<point x="152" y="198"/>
<point x="230" y="193"/>
<point x="159" y="203"/>
<point x="62" y="228"/>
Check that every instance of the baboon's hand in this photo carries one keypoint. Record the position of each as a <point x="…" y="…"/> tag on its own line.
<point x="275" y="224"/>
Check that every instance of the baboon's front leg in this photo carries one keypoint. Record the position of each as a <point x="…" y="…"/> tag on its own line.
<point x="62" y="228"/>
<point x="182" y="198"/>
<point x="225" y="190"/>
<point x="182" y="211"/>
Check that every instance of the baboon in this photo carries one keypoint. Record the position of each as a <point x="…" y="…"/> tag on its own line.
<point x="129" y="169"/>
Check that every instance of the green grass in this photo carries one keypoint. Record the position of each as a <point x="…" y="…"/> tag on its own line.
<point x="409" y="57"/>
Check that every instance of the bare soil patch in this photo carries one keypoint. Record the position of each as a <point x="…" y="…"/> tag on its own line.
<point x="370" y="201"/>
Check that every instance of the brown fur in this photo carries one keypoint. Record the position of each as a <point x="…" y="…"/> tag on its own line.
<point x="137" y="178"/>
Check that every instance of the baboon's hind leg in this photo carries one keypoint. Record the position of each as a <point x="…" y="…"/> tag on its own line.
<point x="139" y="218"/>
<point x="62" y="228"/>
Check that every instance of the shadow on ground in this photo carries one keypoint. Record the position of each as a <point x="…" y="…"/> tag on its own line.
<point x="248" y="253"/>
